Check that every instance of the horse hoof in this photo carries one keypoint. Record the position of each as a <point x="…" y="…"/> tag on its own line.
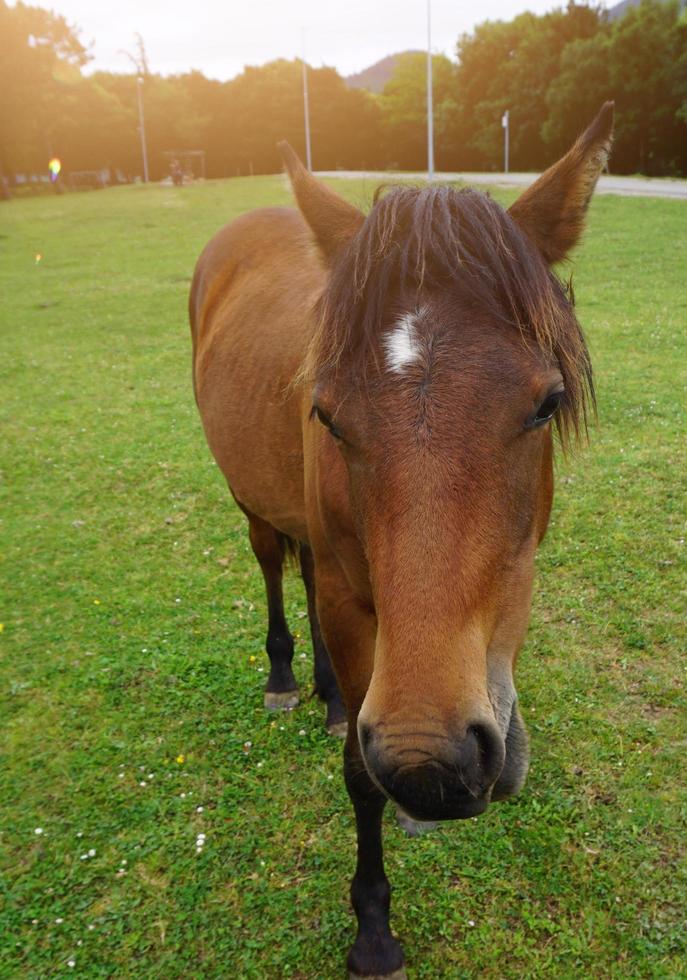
<point x="281" y="700"/>
<point x="414" y="828"/>
<point x="396" y="975"/>
<point x="338" y="730"/>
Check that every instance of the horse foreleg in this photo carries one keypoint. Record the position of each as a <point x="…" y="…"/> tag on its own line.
<point x="349" y="629"/>
<point x="375" y="953"/>
<point x="326" y="684"/>
<point x="281" y="690"/>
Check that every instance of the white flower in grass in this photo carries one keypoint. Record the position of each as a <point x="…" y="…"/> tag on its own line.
<point x="38" y="831"/>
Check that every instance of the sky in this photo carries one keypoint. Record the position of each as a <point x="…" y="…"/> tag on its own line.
<point x="220" y="37"/>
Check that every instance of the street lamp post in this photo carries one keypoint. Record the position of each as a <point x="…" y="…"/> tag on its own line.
<point x="142" y="127"/>
<point x="141" y="66"/>
<point x="505" y="122"/>
<point x="306" y="115"/>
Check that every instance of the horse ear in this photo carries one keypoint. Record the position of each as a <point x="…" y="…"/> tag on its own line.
<point x="552" y="211"/>
<point x="332" y="220"/>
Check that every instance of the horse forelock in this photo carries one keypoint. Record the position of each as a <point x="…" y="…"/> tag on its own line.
<point x="417" y="242"/>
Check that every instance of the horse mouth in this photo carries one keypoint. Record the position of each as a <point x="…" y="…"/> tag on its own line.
<point x="433" y="790"/>
<point x="449" y="807"/>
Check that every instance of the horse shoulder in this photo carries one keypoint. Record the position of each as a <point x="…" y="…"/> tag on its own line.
<point x="253" y="287"/>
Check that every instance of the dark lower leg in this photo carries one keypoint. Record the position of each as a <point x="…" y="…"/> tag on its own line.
<point x="281" y="689"/>
<point x="325" y="679"/>
<point x="375" y="951"/>
<point x="279" y="646"/>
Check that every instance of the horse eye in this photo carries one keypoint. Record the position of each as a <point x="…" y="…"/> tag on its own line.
<point x="326" y="421"/>
<point x="546" y="410"/>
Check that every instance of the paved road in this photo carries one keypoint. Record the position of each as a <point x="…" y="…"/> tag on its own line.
<point x="628" y="186"/>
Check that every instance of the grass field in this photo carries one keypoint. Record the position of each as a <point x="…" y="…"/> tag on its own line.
<point x="132" y="655"/>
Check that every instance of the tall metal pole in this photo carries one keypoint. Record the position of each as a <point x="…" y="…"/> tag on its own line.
<point x="505" y="122"/>
<point x="430" y="100"/>
<point x="141" y="66"/>
<point x="142" y="127"/>
<point x="306" y="109"/>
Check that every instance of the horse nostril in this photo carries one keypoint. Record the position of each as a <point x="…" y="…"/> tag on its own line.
<point x="481" y="756"/>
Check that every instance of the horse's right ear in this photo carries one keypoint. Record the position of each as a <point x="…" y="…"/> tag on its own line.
<point x="332" y="220"/>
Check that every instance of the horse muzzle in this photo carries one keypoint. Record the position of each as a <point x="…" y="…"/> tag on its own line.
<point x="433" y="776"/>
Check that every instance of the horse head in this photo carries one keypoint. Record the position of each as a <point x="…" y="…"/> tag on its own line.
<point x="445" y="356"/>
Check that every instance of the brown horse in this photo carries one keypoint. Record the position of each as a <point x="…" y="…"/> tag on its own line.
<point x="380" y="391"/>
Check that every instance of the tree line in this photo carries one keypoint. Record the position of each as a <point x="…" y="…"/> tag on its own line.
<point x="550" y="71"/>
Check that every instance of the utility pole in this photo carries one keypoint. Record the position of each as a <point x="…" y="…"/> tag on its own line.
<point x="142" y="127"/>
<point x="505" y="122"/>
<point x="306" y="108"/>
<point x="141" y="65"/>
<point x="430" y="101"/>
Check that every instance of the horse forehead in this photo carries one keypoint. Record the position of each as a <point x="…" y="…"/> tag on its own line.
<point x="428" y="336"/>
<point x="404" y="344"/>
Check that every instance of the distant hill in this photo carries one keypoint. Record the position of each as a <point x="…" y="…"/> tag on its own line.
<point x="376" y="76"/>
<point x="620" y="9"/>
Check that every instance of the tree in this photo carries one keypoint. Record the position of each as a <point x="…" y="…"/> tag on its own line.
<point x="265" y="105"/>
<point x="582" y="85"/>
<point x="511" y="66"/>
<point x="649" y="75"/>
<point x="641" y="62"/>
<point x="552" y="72"/>
<point x="40" y="58"/>
<point x="403" y="104"/>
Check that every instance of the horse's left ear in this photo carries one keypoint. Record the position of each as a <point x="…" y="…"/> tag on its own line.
<point x="552" y="211"/>
<point x="333" y="221"/>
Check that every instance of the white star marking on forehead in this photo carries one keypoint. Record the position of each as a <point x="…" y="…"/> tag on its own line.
<point x="402" y="344"/>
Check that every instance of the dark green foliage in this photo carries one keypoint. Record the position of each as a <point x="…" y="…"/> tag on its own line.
<point x="554" y="71"/>
<point x="551" y="71"/>
<point x="639" y="60"/>
<point x="511" y="66"/>
<point x="403" y="106"/>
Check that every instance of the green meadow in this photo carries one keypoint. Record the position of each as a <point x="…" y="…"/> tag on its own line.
<point x="132" y="659"/>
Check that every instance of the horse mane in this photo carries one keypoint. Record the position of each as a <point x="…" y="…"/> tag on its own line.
<point x="422" y="239"/>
